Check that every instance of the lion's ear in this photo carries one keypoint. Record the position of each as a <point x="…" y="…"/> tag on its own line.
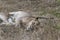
<point x="36" y="18"/>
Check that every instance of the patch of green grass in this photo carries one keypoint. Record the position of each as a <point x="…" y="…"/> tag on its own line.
<point x="57" y="27"/>
<point x="55" y="12"/>
<point x="58" y="2"/>
<point x="57" y="15"/>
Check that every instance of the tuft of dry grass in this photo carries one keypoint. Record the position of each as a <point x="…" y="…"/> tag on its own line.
<point x="47" y="30"/>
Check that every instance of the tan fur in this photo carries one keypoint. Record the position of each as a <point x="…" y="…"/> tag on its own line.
<point x="27" y="19"/>
<point x="29" y="22"/>
<point x="4" y="17"/>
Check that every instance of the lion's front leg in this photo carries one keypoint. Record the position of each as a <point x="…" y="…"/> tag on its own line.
<point x="30" y="26"/>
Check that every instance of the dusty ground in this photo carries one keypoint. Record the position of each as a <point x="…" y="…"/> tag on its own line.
<point x="49" y="29"/>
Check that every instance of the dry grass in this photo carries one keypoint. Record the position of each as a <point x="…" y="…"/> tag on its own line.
<point x="47" y="30"/>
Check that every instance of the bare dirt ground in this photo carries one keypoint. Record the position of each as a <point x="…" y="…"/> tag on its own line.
<point x="49" y="29"/>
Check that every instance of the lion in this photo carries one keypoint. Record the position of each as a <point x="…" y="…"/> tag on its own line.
<point x="25" y="19"/>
